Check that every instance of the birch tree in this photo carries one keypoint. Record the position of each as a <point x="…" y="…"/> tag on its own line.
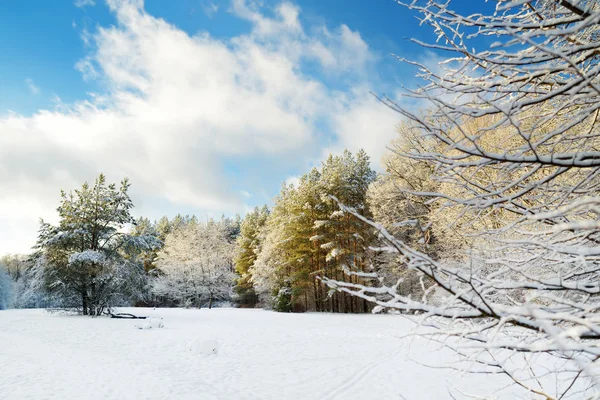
<point x="515" y="134"/>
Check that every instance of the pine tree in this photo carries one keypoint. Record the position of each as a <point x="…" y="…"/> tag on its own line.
<point x="89" y="261"/>
<point x="344" y="238"/>
<point x="306" y="237"/>
<point x="271" y="268"/>
<point x="248" y="248"/>
<point x="163" y="228"/>
<point x="143" y="227"/>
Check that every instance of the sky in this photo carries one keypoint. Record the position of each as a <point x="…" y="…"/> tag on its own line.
<point x="206" y="106"/>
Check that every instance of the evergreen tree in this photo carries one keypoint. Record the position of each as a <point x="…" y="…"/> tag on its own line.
<point x="344" y="238"/>
<point x="248" y="248"/>
<point x="232" y="227"/>
<point x="306" y="237"/>
<point x="89" y="261"/>
<point x="143" y="227"/>
<point x="163" y="228"/>
<point x="267" y="273"/>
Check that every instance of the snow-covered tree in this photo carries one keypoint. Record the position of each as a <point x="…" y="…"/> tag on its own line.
<point x="513" y="137"/>
<point x="88" y="259"/>
<point x="15" y="264"/>
<point x="390" y="203"/>
<point x="143" y="227"/>
<point x="26" y="291"/>
<point x="267" y="271"/>
<point x="343" y="239"/>
<point x="196" y="264"/>
<point x="6" y="291"/>
<point x="248" y="248"/>
<point x="306" y="235"/>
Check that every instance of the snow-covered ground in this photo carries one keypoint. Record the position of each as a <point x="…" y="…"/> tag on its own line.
<point x="224" y="354"/>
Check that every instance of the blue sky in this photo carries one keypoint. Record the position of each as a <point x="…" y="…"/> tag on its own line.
<point x="43" y="41"/>
<point x="207" y="106"/>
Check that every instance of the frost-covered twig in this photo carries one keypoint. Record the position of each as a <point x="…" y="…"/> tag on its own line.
<point x="513" y="140"/>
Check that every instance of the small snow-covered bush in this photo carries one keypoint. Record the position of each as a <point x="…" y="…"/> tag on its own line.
<point x="151" y="323"/>
<point x="282" y="301"/>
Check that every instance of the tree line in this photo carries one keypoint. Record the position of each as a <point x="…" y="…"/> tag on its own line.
<point x="285" y="250"/>
<point x="99" y="256"/>
<point x="281" y="257"/>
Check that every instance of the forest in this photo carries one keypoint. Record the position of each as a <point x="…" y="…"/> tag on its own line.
<point x="100" y="257"/>
<point x="275" y="257"/>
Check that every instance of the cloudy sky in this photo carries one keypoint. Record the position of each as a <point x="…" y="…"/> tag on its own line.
<point x="207" y="106"/>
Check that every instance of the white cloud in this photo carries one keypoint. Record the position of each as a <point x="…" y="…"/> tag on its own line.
<point x="84" y="3"/>
<point x="210" y="8"/>
<point x="363" y="122"/>
<point x="86" y="37"/>
<point x="87" y="69"/>
<point x="174" y="106"/>
<point x="31" y="86"/>
<point x="286" y="21"/>
<point x="341" y="51"/>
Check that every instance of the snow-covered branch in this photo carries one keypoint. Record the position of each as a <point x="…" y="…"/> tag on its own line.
<point x="513" y="142"/>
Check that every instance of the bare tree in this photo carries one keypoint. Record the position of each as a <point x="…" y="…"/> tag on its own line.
<point x="514" y="133"/>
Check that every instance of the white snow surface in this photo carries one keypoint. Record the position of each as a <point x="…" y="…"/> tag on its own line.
<point x="254" y="354"/>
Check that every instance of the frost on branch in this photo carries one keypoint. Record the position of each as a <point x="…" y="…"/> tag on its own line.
<point x="87" y="257"/>
<point x="196" y="265"/>
<point x="512" y="137"/>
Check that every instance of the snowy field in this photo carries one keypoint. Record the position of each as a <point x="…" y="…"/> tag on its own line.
<point x="224" y="354"/>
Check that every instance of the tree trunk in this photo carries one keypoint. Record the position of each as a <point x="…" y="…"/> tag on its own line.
<point x="305" y="301"/>
<point x="352" y="309"/>
<point x="93" y="302"/>
<point x="210" y="301"/>
<point x="84" y="301"/>
<point x="316" y="294"/>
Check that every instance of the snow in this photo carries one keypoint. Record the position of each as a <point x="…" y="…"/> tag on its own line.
<point x="151" y="323"/>
<point x="87" y="256"/>
<point x="224" y="354"/>
<point x="206" y="346"/>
